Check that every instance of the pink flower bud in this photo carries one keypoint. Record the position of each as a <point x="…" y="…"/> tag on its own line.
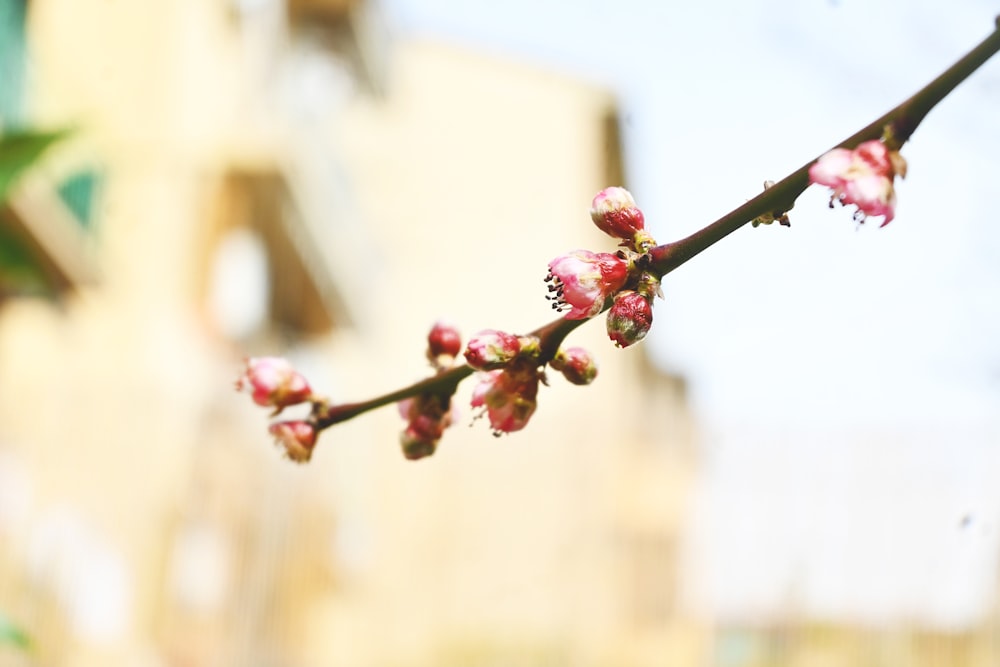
<point x="508" y="397"/>
<point x="576" y="364"/>
<point x="273" y="382"/>
<point x="427" y="416"/>
<point x="630" y="318"/>
<point x="297" y="437"/>
<point x="615" y="213"/>
<point x="862" y="177"/>
<point x="491" y="349"/>
<point x="444" y="343"/>
<point x="583" y="280"/>
<point x="415" y="446"/>
<point x="405" y="406"/>
<point x="428" y="427"/>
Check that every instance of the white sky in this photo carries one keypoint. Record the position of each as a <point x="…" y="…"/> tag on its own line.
<point x="847" y="380"/>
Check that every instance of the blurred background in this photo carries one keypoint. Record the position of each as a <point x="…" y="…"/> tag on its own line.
<point x="796" y="468"/>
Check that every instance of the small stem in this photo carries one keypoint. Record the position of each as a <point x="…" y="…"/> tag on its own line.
<point x="550" y="338"/>
<point x="443" y="383"/>
<point x="904" y="119"/>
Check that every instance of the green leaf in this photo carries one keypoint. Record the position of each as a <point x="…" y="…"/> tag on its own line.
<point x="19" y="150"/>
<point x="11" y="634"/>
<point x="19" y="270"/>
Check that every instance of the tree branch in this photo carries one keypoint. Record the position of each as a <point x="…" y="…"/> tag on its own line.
<point x="780" y="197"/>
<point x="902" y="121"/>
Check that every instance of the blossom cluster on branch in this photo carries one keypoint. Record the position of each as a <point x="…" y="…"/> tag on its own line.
<point x="860" y="172"/>
<point x="581" y="284"/>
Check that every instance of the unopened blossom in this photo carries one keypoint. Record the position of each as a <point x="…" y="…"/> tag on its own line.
<point x="509" y="396"/>
<point x="630" y="318"/>
<point x="582" y="280"/>
<point x="297" y="437"/>
<point x="427" y="416"/>
<point x="491" y="349"/>
<point x="615" y="213"/>
<point x="415" y="446"/>
<point x="444" y="343"/>
<point x="863" y="177"/>
<point x="274" y="382"/>
<point x="576" y="364"/>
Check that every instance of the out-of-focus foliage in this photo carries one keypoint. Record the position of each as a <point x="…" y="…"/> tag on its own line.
<point x="19" y="150"/>
<point x="11" y="635"/>
<point x="19" y="270"/>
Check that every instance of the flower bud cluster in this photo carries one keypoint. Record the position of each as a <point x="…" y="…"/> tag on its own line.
<point x="512" y="369"/>
<point x="428" y="415"/>
<point x="273" y="382"/>
<point x="508" y="384"/>
<point x="863" y="177"/>
<point x="585" y="282"/>
<point x="508" y="396"/>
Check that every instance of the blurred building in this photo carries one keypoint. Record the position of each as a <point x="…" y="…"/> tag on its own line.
<point x="254" y="177"/>
<point x="804" y="643"/>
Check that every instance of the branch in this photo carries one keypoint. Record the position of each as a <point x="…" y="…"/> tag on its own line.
<point x="514" y="388"/>
<point x="904" y="119"/>
<point x="780" y="197"/>
<point x="550" y="336"/>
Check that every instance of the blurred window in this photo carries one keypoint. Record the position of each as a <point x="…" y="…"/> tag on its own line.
<point x="349" y="30"/>
<point x="263" y="274"/>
